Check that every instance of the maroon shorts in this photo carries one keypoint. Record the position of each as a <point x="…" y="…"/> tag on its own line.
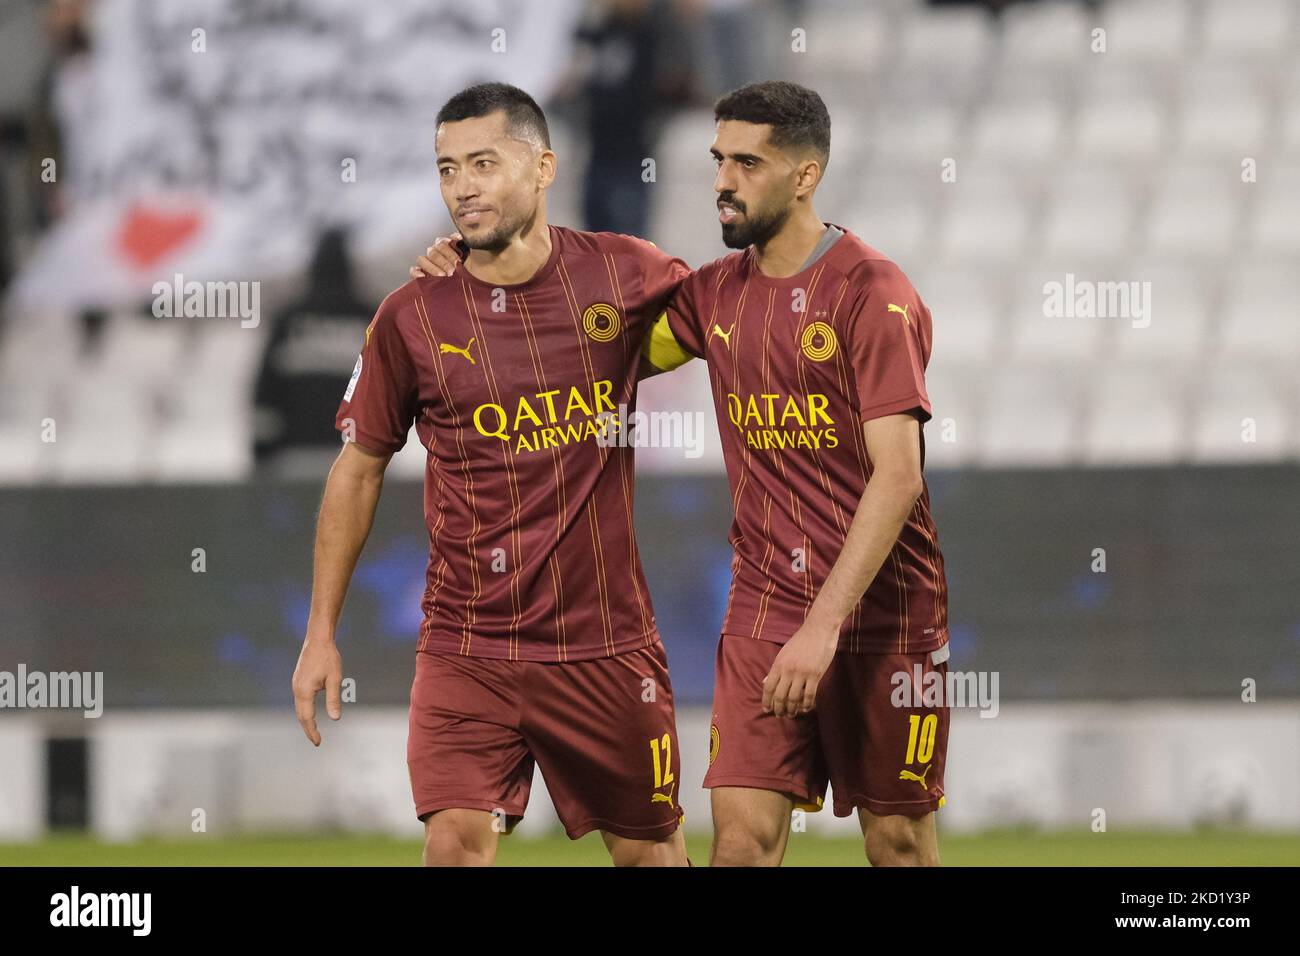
<point x="602" y="731"/>
<point x="888" y="759"/>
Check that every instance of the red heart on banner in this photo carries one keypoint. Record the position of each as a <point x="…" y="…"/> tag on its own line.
<point x="146" y="236"/>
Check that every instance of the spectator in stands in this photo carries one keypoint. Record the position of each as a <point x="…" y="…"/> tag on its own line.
<point x="630" y="67"/>
<point x="313" y="346"/>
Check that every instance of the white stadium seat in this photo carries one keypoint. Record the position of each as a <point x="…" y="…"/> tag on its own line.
<point x="1275" y="226"/>
<point x="1121" y="128"/>
<point x="1092" y="220"/>
<point x="1034" y="336"/>
<point x="1231" y="125"/>
<point x="1261" y="315"/>
<point x="968" y="312"/>
<point x="1146" y="31"/>
<point x="1197" y="210"/>
<point x="987" y="217"/>
<point x="1240" y="416"/>
<point x="1174" y="331"/>
<point x="1019" y="132"/>
<point x="1134" y="415"/>
<point x="952" y="436"/>
<point x="1030" y="417"/>
<point x="1233" y="28"/>
<point x="1045" y="36"/>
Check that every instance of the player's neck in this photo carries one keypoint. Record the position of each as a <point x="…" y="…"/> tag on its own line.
<point x="519" y="261"/>
<point x="785" y="253"/>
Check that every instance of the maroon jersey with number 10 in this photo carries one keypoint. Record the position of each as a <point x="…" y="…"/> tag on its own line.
<point x="797" y="365"/>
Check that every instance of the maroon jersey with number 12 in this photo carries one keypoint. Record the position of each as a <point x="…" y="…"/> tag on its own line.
<point x="532" y="554"/>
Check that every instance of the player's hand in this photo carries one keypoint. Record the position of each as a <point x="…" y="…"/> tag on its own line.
<point x="790" y="687"/>
<point x="320" y="667"/>
<point x="440" y="259"/>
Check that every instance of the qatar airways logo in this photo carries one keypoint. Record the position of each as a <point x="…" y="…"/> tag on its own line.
<point x="550" y="419"/>
<point x="780" y="421"/>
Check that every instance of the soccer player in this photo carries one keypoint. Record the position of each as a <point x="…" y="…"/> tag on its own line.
<point x="816" y="346"/>
<point x="538" y="643"/>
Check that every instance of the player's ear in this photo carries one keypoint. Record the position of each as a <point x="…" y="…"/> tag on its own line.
<point x="808" y="176"/>
<point x="546" y="168"/>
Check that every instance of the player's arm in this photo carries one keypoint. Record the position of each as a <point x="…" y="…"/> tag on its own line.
<point x="347" y="512"/>
<point x="674" y="338"/>
<point x="660" y="350"/>
<point x="894" y="447"/>
<point x="886" y="346"/>
<point x="376" y="413"/>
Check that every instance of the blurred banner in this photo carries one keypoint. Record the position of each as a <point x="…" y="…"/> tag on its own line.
<point x="217" y="140"/>
<point x="1129" y="584"/>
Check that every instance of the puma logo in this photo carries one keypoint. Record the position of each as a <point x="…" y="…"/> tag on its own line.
<point x="447" y="347"/>
<point x="725" y="336"/>
<point x="664" y="797"/>
<point x="908" y="775"/>
<point x="901" y="311"/>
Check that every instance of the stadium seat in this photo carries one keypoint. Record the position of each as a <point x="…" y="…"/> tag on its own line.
<point x="987" y="217"/>
<point x="1179" y="318"/>
<point x="1091" y="213"/>
<point x="847" y="41"/>
<point x="1233" y="28"/>
<point x="1232" y="125"/>
<point x="1146" y="32"/>
<point x="1036" y="337"/>
<point x="1196" y="211"/>
<point x="955" y="40"/>
<point x="1227" y="396"/>
<point x="1044" y="36"/>
<point x="952" y="436"/>
<point x="1131" y="129"/>
<point x="916" y="137"/>
<point x="892" y="213"/>
<point x="1030" y="417"/>
<point x="1259" y="315"/>
<point x="1028" y="131"/>
<point x="1134" y="415"/>
<point x="968" y="312"/>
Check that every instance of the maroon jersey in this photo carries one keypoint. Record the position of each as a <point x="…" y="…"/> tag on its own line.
<point x="532" y="554"/>
<point x="797" y="365"/>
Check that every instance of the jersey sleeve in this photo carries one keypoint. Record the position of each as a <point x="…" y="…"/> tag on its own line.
<point x="662" y="275"/>
<point x="382" y="397"/>
<point x="675" y="338"/>
<point x="889" y="346"/>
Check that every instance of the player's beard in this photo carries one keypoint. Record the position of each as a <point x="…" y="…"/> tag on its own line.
<point x="753" y="229"/>
<point x="509" y="224"/>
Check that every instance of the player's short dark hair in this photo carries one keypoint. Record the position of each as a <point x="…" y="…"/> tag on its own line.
<point x="797" y="115"/>
<point x="524" y="118"/>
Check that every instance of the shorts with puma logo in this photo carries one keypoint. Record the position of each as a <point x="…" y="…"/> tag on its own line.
<point x="887" y="759"/>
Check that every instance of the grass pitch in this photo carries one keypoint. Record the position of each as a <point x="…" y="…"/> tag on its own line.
<point x="1013" y="848"/>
